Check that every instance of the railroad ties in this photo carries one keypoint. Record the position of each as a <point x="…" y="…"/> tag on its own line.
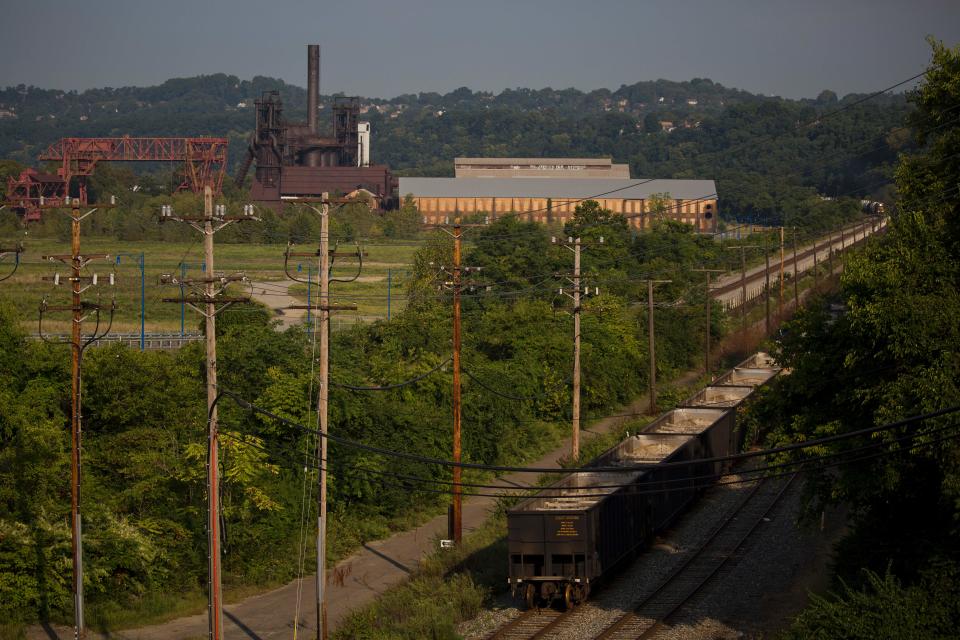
<point x="532" y="623"/>
<point x="652" y="614"/>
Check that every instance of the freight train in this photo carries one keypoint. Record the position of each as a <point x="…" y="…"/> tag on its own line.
<point x="575" y="532"/>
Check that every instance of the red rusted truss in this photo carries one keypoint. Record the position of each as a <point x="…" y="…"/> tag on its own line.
<point x="32" y="190"/>
<point x="204" y="163"/>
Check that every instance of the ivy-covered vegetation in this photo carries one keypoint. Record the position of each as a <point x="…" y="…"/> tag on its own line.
<point x="144" y="417"/>
<point x="891" y="353"/>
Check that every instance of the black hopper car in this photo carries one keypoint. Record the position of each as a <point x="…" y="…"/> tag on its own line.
<point x="575" y="532"/>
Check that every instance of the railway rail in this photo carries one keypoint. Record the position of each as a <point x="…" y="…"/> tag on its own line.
<point x="730" y="285"/>
<point x="650" y="614"/>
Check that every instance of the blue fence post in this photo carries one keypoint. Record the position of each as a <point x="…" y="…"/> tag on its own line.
<point x="143" y="304"/>
<point x="183" y="275"/>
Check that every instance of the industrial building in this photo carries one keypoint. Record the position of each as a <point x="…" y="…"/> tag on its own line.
<point x="539" y="168"/>
<point x="553" y="200"/>
<point x="293" y="159"/>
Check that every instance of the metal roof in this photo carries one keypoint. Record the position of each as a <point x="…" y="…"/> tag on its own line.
<point x="507" y="162"/>
<point x="574" y="188"/>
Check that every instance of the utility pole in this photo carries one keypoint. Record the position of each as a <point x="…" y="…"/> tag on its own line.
<point x="816" y="275"/>
<point x="652" y="345"/>
<point x="706" y="349"/>
<point x="324" y="308"/>
<point x="457" y="471"/>
<point x="77" y="308"/>
<point x="766" y="285"/>
<point x="830" y="253"/>
<point x="780" y="299"/>
<point x="206" y="303"/>
<point x="456" y="284"/>
<point x="843" y="247"/>
<point x="796" y="276"/>
<point x="743" y="281"/>
<point x="575" y="245"/>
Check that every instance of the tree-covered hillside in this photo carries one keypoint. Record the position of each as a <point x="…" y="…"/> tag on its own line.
<point x="772" y="158"/>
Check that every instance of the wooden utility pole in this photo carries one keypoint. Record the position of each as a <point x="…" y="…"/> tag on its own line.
<point x="830" y="254"/>
<point x="843" y="246"/>
<point x="816" y="274"/>
<point x="743" y="282"/>
<point x="75" y="409"/>
<point x="796" y="274"/>
<point x="206" y="303"/>
<point x="77" y="262"/>
<point x="213" y="450"/>
<point x="457" y="471"/>
<point x="708" y="304"/>
<point x="323" y="397"/>
<point x="575" y="438"/>
<point x="456" y="283"/>
<point x="652" y="345"/>
<point x="322" y="334"/>
<point x="780" y="299"/>
<point x="575" y="245"/>
<point x="766" y="285"/>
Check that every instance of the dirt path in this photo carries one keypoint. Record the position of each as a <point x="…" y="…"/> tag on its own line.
<point x="369" y="572"/>
<point x="378" y="565"/>
<point x="274" y="295"/>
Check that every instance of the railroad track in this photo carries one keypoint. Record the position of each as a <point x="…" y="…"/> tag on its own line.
<point x="722" y="543"/>
<point x="532" y="623"/>
<point x="650" y="615"/>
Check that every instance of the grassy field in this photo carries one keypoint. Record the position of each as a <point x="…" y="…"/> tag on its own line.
<point x="259" y="262"/>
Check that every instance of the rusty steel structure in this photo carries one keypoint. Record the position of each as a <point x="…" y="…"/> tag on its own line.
<point x="204" y="164"/>
<point x="294" y="160"/>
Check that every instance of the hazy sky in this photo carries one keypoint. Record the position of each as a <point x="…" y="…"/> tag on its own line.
<point x="382" y="48"/>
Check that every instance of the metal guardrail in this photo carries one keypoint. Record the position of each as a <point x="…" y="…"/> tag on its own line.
<point x="151" y="340"/>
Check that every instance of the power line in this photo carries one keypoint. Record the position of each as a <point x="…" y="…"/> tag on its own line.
<point x="396" y="385"/>
<point x="682" y="484"/>
<point x="236" y="398"/>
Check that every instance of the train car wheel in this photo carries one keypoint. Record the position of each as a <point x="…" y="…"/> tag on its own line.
<point x="569" y="597"/>
<point x="530" y="595"/>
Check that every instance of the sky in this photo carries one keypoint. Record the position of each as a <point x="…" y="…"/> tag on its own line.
<point x="384" y="48"/>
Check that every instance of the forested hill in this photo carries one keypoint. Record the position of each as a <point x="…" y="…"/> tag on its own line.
<point x="756" y="147"/>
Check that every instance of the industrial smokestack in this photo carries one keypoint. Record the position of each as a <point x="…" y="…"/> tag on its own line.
<point x="313" y="85"/>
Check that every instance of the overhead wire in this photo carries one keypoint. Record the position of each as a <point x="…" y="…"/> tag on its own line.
<point x="243" y="403"/>
<point x="686" y="483"/>
<point x="396" y="385"/>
